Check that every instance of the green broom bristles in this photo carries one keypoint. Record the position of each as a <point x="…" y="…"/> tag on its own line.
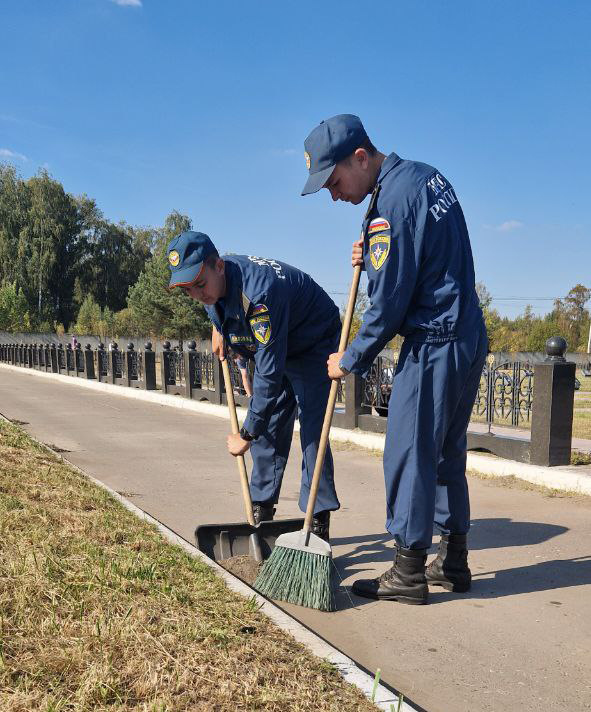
<point x="299" y="577"/>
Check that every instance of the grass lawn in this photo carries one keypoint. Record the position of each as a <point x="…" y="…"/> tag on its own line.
<point x="99" y="612"/>
<point x="585" y="382"/>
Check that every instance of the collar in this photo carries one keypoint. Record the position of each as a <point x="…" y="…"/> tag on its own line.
<point x="387" y="165"/>
<point x="235" y="298"/>
<point x="389" y="162"/>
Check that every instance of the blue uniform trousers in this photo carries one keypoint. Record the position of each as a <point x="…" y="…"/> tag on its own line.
<point x="433" y="394"/>
<point x="305" y="390"/>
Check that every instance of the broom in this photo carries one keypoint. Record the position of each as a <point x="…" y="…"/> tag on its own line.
<point x="300" y="568"/>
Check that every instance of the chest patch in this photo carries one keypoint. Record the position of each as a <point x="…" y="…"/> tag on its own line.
<point x="261" y="328"/>
<point x="379" y="248"/>
<point x="240" y="339"/>
<point x="378" y="225"/>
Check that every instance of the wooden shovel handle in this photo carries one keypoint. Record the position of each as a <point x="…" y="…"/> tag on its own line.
<point x="235" y="431"/>
<point x="332" y="399"/>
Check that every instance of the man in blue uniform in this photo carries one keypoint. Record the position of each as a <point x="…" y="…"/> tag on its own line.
<point x="415" y="248"/>
<point x="278" y="316"/>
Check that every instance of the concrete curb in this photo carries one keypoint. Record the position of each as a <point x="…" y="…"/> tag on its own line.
<point x="384" y="698"/>
<point x="567" y="479"/>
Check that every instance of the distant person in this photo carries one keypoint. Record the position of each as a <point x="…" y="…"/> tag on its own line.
<point x="278" y="316"/>
<point x="242" y="366"/>
<point x="415" y="248"/>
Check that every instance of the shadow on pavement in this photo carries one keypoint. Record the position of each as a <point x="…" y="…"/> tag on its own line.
<point x="371" y="554"/>
<point x="500" y="532"/>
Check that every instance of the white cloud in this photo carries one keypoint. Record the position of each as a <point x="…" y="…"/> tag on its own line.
<point x="128" y="3"/>
<point x="509" y="225"/>
<point x="506" y="226"/>
<point x="6" y="153"/>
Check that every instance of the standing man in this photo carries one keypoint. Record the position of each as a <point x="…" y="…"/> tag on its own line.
<point x="278" y="316"/>
<point x="415" y="248"/>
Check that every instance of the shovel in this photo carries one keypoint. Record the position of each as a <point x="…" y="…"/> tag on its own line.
<point x="223" y="541"/>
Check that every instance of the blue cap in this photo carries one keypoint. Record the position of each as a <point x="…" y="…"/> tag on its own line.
<point x="330" y="142"/>
<point x="186" y="253"/>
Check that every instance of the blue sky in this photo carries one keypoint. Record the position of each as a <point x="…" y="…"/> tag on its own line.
<point x="203" y="107"/>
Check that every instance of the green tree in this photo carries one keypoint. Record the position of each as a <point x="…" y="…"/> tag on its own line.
<point x="160" y="311"/>
<point x="89" y="317"/>
<point x="113" y="257"/>
<point x="124" y="323"/>
<point x="14" y="315"/>
<point x="541" y="331"/>
<point x="48" y="249"/>
<point x="14" y="212"/>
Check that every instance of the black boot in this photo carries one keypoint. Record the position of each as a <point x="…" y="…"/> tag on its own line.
<point x="450" y="567"/>
<point x="263" y="511"/>
<point x="321" y="525"/>
<point x="405" y="582"/>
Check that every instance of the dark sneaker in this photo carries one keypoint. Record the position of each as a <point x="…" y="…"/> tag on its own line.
<point x="321" y="525"/>
<point x="404" y="582"/>
<point x="263" y="511"/>
<point x="449" y="568"/>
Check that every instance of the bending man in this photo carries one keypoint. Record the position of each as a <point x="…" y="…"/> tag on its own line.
<point x="278" y="316"/>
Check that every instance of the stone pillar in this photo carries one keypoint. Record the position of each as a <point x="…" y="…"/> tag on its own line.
<point x="149" y="379"/>
<point x="553" y="403"/>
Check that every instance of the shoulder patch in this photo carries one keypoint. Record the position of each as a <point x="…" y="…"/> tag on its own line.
<point x="379" y="248"/>
<point x="259" y="309"/>
<point x="378" y="225"/>
<point x="261" y="328"/>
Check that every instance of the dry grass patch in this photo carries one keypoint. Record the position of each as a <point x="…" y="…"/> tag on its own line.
<point x="98" y="612"/>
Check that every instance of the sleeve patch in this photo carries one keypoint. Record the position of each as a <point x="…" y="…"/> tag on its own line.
<point x="379" y="249"/>
<point x="259" y="309"/>
<point x="261" y="328"/>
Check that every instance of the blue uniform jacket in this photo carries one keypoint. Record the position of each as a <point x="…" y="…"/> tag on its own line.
<point x="271" y="312"/>
<point x="418" y="260"/>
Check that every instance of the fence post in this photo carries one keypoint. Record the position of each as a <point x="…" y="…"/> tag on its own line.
<point x="88" y="362"/>
<point x="190" y="357"/>
<point x="128" y="365"/>
<point x="218" y="381"/>
<point x="552" y="410"/>
<point x="165" y="366"/>
<point x="113" y="365"/>
<point x="70" y="361"/>
<point x="353" y="399"/>
<point x="53" y="358"/>
<point x="149" y="380"/>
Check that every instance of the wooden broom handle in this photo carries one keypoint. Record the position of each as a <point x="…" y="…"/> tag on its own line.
<point x="235" y="431"/>
<point x="332" y="399"/>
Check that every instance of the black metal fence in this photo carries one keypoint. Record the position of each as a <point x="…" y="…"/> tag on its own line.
<point x="510" y="393"/>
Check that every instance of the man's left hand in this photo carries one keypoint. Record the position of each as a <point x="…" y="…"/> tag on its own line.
<point x="237" y="446"/>
<point x="334" y="370"/>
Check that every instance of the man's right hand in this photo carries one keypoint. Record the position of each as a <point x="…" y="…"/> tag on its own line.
<point x="357" y="253"/>
<point x="217" y="344"/>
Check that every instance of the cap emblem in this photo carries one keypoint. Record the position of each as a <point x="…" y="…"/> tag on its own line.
<point x="174" y="258"/>
<point x="307" y="155"/>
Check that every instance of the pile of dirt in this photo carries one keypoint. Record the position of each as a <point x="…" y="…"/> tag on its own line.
<point x="244" y="567"/>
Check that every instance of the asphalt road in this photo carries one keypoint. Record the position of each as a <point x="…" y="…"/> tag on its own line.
<point x="521" y="639"/>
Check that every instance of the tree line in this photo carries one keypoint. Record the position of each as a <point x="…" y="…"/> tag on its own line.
<point x="568" y="318"/>
<point x="65" y="267"/>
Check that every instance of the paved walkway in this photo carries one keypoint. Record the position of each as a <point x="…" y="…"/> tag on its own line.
<point x="520" y="640"/>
